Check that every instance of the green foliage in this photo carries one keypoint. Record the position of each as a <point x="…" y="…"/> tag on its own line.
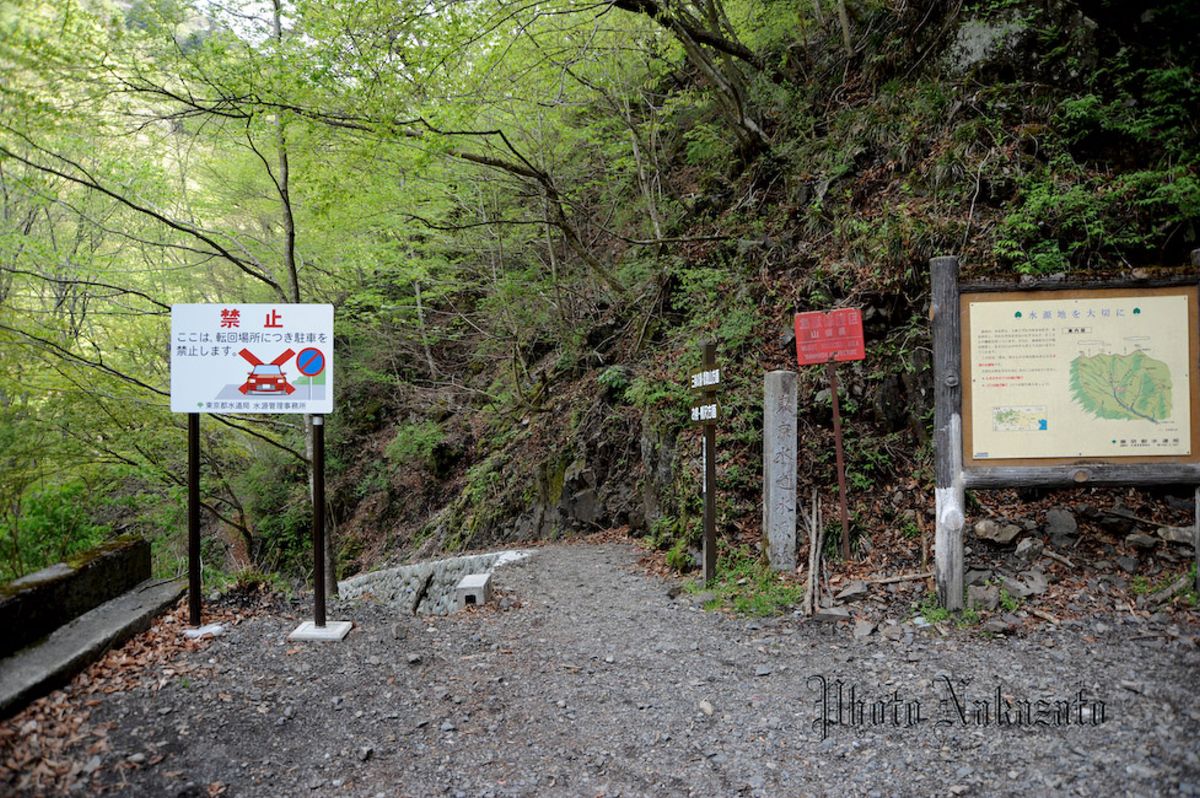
<point x="737" y="327"/>
<point x="1068" y="214"/>
<point x="1009" y="602"/>
<point x="614" y="378"/>
<point x="414" y="444"/>
<point x="930" y="610"/>
<point x="706" y="146"/>
<point x="934" y="613"/>
<point x="1141" y="585"/>
<point x="647" y="392"/>
<point x="276" y="496"/>
<point x="748" y="586"/>
<point x="52" y="524"/>
<point x="679" y="556"/>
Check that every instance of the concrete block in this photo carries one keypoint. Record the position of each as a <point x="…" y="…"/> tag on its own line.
<point x="34" y="606"/>
<point x="473" y="590"/>
<point x="331" y="631"/>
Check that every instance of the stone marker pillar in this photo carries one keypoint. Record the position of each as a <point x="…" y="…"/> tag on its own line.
<point x="779" y="469"/>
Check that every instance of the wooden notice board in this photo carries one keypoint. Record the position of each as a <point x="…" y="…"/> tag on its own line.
<point x="1088" y="376"/>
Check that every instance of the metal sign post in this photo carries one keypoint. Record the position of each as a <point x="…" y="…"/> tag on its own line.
<point x="318" y="524"/>
<point x="831" y="370"/>
<point x="827" y="338"/>
<point x="705" y="413"/>
<point x="319" y="628"/>
<point x="193" y="482"/>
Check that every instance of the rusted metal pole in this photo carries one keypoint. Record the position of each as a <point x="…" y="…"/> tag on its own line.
<point x="841" y="460"/>
<point x="193" y="481"/>
<point x="318" y="524"/>
<point x="710" y="474"/>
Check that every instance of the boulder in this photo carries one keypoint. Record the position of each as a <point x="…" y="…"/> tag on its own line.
<point x="832" y="614"/>
<point x="1177" y="534"/>
<point x="1035" y="582"/>
<point x="1142" y="541"/>
<point x="983" y="597"/>
<point x="863" y="629"/>
<point x="1014" y="587"/>
<point x="974" y="577"/>
<point x="1061" y="523"/>
<point x="994" y="532"/>
<point x="853" y="590"/>
<point x="1028" y="550"/>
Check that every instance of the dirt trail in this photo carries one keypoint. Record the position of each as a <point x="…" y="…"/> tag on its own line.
<point x="599" y="683"/>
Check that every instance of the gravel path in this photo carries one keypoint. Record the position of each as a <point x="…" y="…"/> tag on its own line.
<point x="597" y="683"/>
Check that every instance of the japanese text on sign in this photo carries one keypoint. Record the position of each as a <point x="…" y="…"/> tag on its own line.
<point x="243" y="358"/>
<point x="706" y="379"/>
<point x="1104" y="373"/>
<point x="824" y="336"/>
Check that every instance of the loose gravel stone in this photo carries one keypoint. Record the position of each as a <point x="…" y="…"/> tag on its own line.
<point x="596" y="682"/>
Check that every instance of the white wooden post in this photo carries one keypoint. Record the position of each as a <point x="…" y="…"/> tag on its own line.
<point x="947" y="432"/>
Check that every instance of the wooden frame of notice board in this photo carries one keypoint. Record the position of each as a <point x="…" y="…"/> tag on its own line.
<point x="1130" y="354"/>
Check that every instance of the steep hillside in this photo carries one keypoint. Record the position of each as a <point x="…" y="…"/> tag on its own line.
<point x="528" y="217"/>
<point x="1030" y="139"/>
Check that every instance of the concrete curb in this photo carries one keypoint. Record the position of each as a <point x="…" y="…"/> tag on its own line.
<point x="41" y="667"/>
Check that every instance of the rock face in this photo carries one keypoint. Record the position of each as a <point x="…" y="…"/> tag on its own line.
<point x="994" y="532"/>
<point x="658" y="450"/>
<point x="980" y="41"/>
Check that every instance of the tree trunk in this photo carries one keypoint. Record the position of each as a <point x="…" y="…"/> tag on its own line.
<point x="844" y="18"/>
<point x="283" y="184"/>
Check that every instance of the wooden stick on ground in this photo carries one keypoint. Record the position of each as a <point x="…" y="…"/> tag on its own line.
<point x="887" y="580"/>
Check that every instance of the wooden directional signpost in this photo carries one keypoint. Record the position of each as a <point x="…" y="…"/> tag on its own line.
<point x="705" y="411"/>
<point x="829" y="337"/>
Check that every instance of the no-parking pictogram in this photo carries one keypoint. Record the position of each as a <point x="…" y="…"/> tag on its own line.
<point x="310" y="362"/>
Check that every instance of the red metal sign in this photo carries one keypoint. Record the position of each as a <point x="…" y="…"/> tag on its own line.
<point x="823" y="336"/>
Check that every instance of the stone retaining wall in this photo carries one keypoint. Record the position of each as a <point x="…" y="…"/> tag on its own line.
<point x="401" y="586"/>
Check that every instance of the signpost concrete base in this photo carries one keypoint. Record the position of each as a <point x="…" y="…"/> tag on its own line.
<point x="208" y="630"/>
<point x="332" y="630"/>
